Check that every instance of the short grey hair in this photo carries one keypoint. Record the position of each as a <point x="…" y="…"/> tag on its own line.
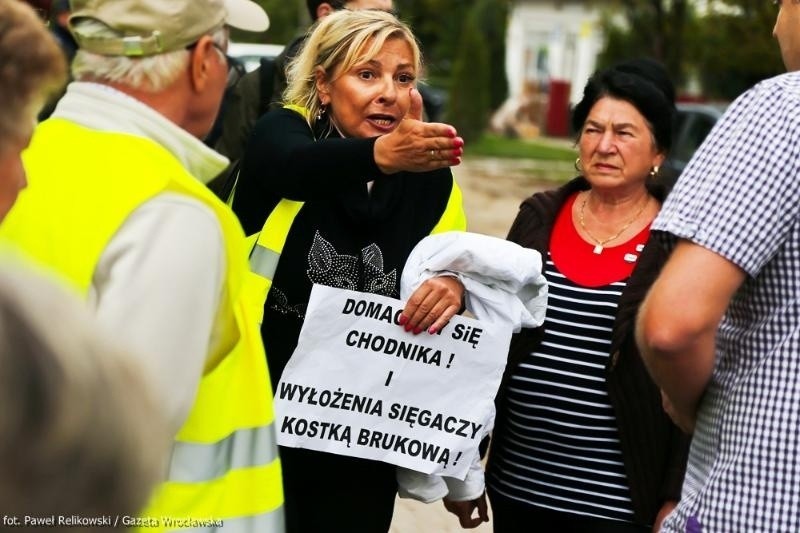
<point x="151" y="73"/>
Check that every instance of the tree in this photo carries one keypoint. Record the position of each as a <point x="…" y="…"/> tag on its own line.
<point x="727" y="50"/>
<point x="727" y="67"/>
<point x="656" y="28"/>
<point x="469" y="100"/>
<point x="439" y="26"/>
<point x="492" y="22"/>
<point x="436" y="23"/>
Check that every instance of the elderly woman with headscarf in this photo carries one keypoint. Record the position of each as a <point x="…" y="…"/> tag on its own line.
<point x="582" y="443"/>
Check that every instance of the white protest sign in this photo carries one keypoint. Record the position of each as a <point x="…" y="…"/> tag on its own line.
<point x="358" y="384"/>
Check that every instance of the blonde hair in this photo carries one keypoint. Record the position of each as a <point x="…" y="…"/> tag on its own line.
<point x="81" y="433"/>
<point x="32" y="68"/>
<point x="151" y="73"/>
<point x="339" y="41"/>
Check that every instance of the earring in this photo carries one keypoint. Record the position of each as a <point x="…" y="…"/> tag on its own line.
<point x="321" y="111"/>
<point x="654" y="171"/>
<point x="578" y="166"/>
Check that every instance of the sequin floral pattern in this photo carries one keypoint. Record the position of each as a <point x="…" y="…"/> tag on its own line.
<point x="327" y="267"/>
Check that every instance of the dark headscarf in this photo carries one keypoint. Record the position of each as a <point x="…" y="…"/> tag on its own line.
<point x="645" y="84"/>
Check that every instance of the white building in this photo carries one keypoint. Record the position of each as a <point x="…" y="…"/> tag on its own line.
<point x="552" y="40"/>
<point x="549" y="43"/>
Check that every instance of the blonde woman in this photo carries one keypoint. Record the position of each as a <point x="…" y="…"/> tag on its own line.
<point x="373" y="181"/>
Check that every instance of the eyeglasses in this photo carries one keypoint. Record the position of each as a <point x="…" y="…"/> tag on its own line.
<point x="221" y="49"/>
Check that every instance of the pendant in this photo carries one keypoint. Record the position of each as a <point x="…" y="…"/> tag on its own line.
<point x="598" y="249"/>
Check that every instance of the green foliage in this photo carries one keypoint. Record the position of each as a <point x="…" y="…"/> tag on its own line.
<point x="496" y="146"/>
<point x="728" y="51"/>
<point x="660" y="29"/>
<point x="492" y="22"/>
<point x="438" y="24"/>
<point x="469" y="100"/>
<point x="725" y="66"/>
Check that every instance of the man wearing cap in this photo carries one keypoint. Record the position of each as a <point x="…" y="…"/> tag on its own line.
<point x="116" y="204"/>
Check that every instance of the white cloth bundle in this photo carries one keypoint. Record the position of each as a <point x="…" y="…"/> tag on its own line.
<point x="504" y="284"/>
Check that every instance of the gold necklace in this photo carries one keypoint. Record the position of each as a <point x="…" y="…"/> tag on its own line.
<point x="599" y="244"/>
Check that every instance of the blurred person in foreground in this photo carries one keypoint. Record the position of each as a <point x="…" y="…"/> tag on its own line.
<point x="351" y="180"/>
<point x="117" y="207"/>
<point x="581" y="443"/>
<point x="58" y="17"/>
<point x="33" y="69"/>
<point x="720" y="328"/>
<point x="59" y="25"/>
<point x="73" y="444"/>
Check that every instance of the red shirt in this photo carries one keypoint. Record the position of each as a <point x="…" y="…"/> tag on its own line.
<point x="575" y="257"/>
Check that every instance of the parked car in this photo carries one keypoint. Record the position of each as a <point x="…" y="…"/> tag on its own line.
<point x="251" y="53"/>
<point x="694" y="121"/>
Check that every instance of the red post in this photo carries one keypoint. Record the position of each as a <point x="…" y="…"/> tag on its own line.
<point x="558" y="109"/>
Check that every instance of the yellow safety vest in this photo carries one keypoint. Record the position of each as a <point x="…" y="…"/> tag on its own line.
<point x="267" y="245"/>
<point x="83" y="185"/>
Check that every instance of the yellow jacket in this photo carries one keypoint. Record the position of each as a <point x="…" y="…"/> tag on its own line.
<point x="224" y="466"/>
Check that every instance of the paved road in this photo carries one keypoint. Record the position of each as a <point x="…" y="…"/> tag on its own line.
<point x="494" y="188"/>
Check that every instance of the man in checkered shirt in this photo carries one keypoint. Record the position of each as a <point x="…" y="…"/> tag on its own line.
<point x="720" y="329"/>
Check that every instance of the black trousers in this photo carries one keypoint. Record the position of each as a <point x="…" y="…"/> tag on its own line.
<point x="512" y="516"/>
<point x="328" y="493"/>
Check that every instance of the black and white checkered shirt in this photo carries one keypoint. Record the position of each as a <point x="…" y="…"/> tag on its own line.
<point x="740" y="198"/>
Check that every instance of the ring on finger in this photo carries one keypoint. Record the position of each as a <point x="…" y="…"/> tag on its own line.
<point x="433" y="154"/>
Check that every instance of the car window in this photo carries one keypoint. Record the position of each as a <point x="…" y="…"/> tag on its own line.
<point x="250" y="54"/>
<point x="692" y="129"/>
<point x="692" y="125"/>
<point x="696" y="132"/>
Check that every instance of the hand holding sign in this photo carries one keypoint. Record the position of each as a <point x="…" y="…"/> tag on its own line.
<point x="433" y="304"/>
